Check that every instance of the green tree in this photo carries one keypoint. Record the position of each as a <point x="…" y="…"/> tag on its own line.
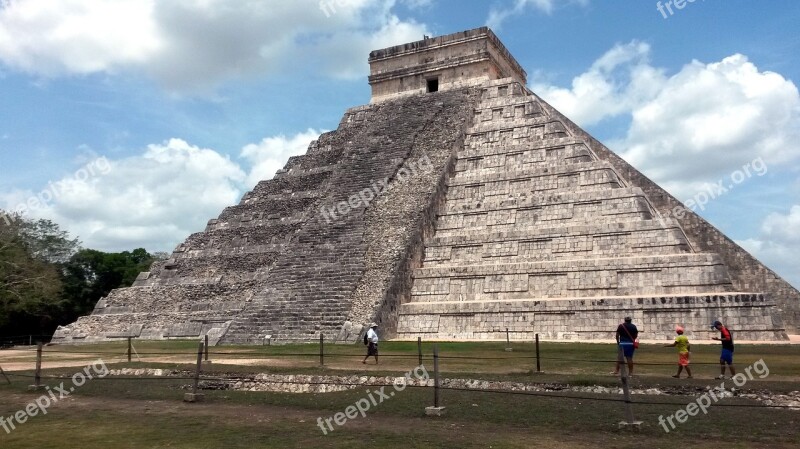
<point x="91" y="275"/>
<point x="46" y="280"/>
<point x="29" y="286"/>
<point x="47" y="242"/>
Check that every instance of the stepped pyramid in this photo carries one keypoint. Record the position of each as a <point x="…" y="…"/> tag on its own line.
<point x="456" y="205"/>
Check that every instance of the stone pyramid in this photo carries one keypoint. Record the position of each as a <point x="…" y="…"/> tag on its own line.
<point x="457" y="205"/>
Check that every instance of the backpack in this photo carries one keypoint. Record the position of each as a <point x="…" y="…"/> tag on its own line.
<point x="366" y="340"/>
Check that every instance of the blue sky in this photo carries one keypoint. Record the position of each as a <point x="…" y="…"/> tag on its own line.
<point x="135" y="121"/>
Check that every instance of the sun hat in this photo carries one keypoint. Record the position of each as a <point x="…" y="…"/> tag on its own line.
<point x="373" y="325"/>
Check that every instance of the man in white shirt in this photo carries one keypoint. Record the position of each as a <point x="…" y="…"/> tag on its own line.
<point x="372" y="343"/>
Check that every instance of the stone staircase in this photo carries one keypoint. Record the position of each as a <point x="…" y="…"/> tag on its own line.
<point x="310" y="289"/>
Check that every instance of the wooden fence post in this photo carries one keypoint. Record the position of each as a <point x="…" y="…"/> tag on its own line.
<point x="436" y="410"/>
<point x="321" y="349"/>
<point x="629" y="421"/>
<point x="194" y="396"/>
<point x="419" y="350"/>
<point x="37" y="378"/>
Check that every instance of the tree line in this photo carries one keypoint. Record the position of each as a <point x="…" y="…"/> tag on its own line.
<point x="48" y="279"/>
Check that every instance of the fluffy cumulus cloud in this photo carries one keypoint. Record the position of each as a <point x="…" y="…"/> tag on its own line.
<point x="690" y="129"/>
<point x="193" y="44"/>
<point x="778" y="243"/>
<point x="153" y="200"/>
<point x="710" y="120"/>
<point x="498" y="14"/>
<point x="271" y="154"/>
<point x="615" y="84"/>
<point x="157" y="198"/>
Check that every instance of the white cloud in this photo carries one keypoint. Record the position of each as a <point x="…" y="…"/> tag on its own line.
<point x="76" y="36"/>
<point x="152" y="200"/>
<point x="709" y="120"/>
<point x="498" y="15"/>
<point x="690" y="129"/>
<point x="615" y="84"/>
<point x="155" y="199"/>
<point x="193" y="44"/>
<point x="271" y="154"/>
<point x="778" y="244"/>
<point x="418" y="4"/>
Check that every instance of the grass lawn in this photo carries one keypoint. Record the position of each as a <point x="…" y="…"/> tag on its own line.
<point x="144" y="413"/>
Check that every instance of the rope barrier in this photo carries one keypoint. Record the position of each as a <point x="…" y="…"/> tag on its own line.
<point x="360" y="354"/>
<point x="378" y="385"/>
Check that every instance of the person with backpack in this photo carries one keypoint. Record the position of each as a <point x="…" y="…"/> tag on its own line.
<point x="371" y="340"/>
<point x="627" y="340"/>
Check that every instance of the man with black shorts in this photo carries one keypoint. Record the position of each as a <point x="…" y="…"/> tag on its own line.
<point x="626" y="337"/>
<point x="726" y="357"/>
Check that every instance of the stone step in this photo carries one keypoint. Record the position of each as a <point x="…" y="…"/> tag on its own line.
<point x="536" y="242"/>
<point x="592" y="175"/>
<point x="664" y="274"/>
<point x="622" y="199"/>
<point x="590" y="318"/>
<point x="523" y="158"/>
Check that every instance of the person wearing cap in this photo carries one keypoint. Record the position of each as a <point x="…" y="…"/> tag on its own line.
<point x="626" y="338"/>
<point x="372" y="343"/>
<point x="726" y="337"/>
<point x="682" y="343"/>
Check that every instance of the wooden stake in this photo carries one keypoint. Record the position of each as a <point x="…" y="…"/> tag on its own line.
<point x="321" y="349"/>
<point x="194" y="396"/>
<point x="629" y="421"/>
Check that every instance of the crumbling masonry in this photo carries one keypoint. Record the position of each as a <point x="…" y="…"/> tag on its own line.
<point x="456" y="205"/>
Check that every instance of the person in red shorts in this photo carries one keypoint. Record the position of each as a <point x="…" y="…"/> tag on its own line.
<point x="682" y="343"/>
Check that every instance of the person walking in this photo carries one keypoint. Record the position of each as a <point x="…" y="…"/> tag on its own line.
<point x="682" y="343"/>
<point x="627" y="335"/>
<point x="372" y="343"/>
<point x="726" y="357"/>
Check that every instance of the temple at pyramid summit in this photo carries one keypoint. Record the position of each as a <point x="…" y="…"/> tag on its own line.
<point x="456" y="205"/>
